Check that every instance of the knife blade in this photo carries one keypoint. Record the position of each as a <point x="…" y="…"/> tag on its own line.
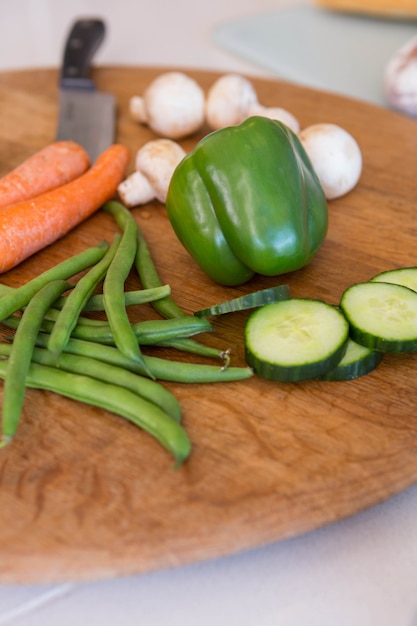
<point x="86" y="115"/>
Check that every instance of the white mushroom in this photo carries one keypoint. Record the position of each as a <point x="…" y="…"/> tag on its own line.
<point x="276" y="113"/>
<point x="335" y="156"/>
<point x="228" y="101"/>
<point x="233" y="98"/>
<point x="155" y="163"/>
<point x="172" y="106"/>
<point x="400" y="80"/>
<point x="135" y="190"/>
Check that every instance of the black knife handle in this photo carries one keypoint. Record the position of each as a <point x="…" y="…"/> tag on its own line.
<point x="84" y="38"/>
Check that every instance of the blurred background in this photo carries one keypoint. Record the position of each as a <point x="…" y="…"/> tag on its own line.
<point x="301" y="40"/>
<point x="156" y="32"/>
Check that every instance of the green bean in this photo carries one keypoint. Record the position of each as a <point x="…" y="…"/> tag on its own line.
<point x="112" y="398"/>
<point x="163" y="369"/>
<point x="186" y="344"/>
<point x="95" y="302"/>
<point x="52" y="315"/>
<point x="136" y="296"/>
<point x="148" y="274"/>
<point x="21" y="355"/>
<point x="146" y="333"/>
<point x="75" y="301"/>
<point x="19" y="297"/>
<point x="75" y="363"/>
<point x="5" y="289"/>
<point x="145" y="267"/>
<point x="119" y="212"/>
<point x="167" y="307"/>
<point x="150" y="279"/>
<point x="113" y="290"/>
<point x="177" y="371"/>
<point x="193" y="347"/>
<point x="49" y="319"/>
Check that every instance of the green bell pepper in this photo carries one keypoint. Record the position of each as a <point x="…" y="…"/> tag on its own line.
<point x="247" y="200"/>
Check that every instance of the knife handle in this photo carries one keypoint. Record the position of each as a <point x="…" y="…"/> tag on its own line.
<point x="84" y="38"/>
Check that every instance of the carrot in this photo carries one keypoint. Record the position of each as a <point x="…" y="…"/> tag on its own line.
<point x="29" y="226"/>
<point x="53" y="166"/>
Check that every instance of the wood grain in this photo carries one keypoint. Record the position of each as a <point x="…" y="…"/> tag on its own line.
<point x="85" y="495"/>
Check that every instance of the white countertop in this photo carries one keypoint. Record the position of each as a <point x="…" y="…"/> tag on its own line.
<point x="361" y="571"/>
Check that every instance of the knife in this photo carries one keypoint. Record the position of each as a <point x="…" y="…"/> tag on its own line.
<point x="86" y="115"/>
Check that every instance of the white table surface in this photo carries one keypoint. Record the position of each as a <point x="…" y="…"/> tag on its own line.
<point x="361" y="571"/>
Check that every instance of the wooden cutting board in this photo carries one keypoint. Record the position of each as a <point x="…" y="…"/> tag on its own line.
<point x="85" y="495"/>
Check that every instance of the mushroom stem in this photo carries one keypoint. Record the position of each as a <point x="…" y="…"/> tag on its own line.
<point x="137" y="109"/>
<point x="135" y="190"/>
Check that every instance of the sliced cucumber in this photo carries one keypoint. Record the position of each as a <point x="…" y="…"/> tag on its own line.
<point x="405" y="276"/>
<point x="295" y="339"/>
<point x="382" y="316"/>
<point x="357" y="361"/>
<point x="248" y="301"/>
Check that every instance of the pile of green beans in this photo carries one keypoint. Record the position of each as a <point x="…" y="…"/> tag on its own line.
<point x="56" y="347"/>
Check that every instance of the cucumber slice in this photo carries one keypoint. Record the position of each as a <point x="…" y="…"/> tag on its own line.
<point x="382" y="316"/>
<point x="248" y="301"/>
<point x="357" y="361"/>
<point x="295" y="339"/>
<point x="405" y="276"/>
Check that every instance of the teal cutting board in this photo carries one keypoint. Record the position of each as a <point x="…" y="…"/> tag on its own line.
<point x="338" y="52"/>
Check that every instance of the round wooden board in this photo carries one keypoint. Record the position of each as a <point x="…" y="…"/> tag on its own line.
<point x="85" y="495"/>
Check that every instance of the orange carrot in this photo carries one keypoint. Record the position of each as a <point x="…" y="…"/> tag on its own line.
<point x="29" y="226"/>
<point x="53" y="166"/>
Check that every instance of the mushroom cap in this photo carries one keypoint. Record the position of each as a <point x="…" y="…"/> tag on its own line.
<point x="276" y="113"/>
<point x="400" y="79"/>
<point x="229" y="100"/>
<point x="174" y="104"/>
<point x="335" y="156"/>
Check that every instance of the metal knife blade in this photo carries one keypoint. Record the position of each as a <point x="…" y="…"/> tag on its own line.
<point x="86" y="115"/>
